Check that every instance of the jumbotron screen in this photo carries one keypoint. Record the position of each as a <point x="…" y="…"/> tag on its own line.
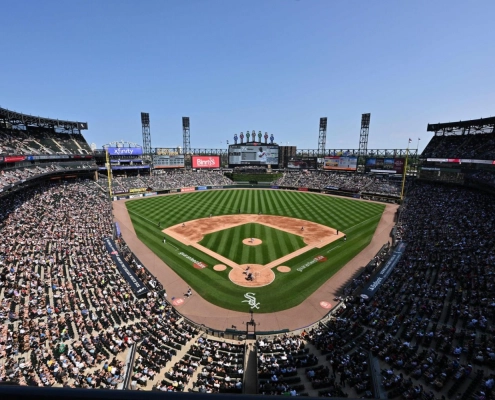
<point x="250" y="154"/>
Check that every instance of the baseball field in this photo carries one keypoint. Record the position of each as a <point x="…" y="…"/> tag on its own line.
<point x="277" y="246"/>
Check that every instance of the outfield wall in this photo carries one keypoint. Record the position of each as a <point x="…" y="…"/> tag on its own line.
<point x="241" y="185"/>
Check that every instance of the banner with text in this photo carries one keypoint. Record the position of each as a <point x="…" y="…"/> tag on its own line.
<point x="206" y="161"/>
<point x="129" y="275"/>
<point x="340" y="163"/>
<point x="125" y="151"/>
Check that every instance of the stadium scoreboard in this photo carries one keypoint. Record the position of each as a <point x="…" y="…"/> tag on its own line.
<point x="253" y="154"/>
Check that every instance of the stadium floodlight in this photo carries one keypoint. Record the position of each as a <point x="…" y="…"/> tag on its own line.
<point x="185" y="122"/>
<point x="145" y="118"/>
<point x="323" y="123"/>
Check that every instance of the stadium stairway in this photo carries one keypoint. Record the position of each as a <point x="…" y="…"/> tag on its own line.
<point x="250" y="368"/>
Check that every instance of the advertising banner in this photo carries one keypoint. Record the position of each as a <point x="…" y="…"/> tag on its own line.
<point x="303" y="189"/>
<point x="340" y="163"/>
<point x="129" y="275"/>
<point x="188" y="189"/>
<point x="206" y="161"/>
<point x="139" y="190"/>
<point x="275" y="187"/>
<point x="14" y="158"/>
<point x="202" y="188"/>
<point x="385" y="165"/>
<point x="150" y="194"/>
<point x="302" y="163"/>
<point x="1" y="159"/>
<point x="384" y="273"/>
<point x="217" y="187"/>
<point x="125" y="151"/>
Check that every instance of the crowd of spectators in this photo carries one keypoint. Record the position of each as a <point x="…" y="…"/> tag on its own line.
<point x="12" y="176"/>
<point x="323" y="179"/>
<point x="168" y="179"/>
<point x="68" y="317"/>
<point x="23" y="142"/>
<point x="475" y="146"/>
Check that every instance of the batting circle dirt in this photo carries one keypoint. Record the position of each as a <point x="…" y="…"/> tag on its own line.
<point x="256" y="276"/>
<point x="283" y="268"/>
<point x="220" y="267"/>
<point x="252" y="241"/>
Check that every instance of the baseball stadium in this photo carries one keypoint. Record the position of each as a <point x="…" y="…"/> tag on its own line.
<point x="340" y="247"/>
<point x="316" y="272"/>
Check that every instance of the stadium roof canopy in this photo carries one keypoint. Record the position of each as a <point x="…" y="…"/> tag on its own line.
<point x="470" y="127"/>
<point x="15" y="119"/>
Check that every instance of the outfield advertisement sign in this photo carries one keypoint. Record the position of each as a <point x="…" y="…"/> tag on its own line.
<point x="217" y="187"/>
<point x="303" y="189"/>
<point x="275" y="187"/>
<point x="340" y="163"/>
<point x="202" y="188"/>
<point x="124" y="151"/>
<point x="188" y="189"/>
<point x="150" y="194"/>
<point x="139" y="190"/>
<point x="134" y="196"/>
<point x="14" y="158"/>
<point x="125" y="270"/>
<point x="206" y="161"/>
<point x="387" y="269"/>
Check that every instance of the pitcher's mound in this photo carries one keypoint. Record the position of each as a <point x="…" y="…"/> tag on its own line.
<point x="252" y="241"/>
<point x="220" y="267"/>
<point x="260" y="276"/>
<point x="283" y="268"/>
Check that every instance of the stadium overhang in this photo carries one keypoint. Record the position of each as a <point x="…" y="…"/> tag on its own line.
<point x="15" y="119"/>
<point x="473" y="126"/>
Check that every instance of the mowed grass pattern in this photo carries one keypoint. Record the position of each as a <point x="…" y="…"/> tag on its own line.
<point x="357" y="219"/>
<point x="276" y="243"/>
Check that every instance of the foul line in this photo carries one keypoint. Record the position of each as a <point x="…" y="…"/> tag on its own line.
<point x="140" y="216"/>
<point x="362" y="222"/>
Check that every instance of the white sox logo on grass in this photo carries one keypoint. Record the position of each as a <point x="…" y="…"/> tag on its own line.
<point x="196" y="264"/>
<point x="251" y="300"/>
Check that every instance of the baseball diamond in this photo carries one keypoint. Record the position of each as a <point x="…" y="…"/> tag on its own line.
<point x="193" y="235"/>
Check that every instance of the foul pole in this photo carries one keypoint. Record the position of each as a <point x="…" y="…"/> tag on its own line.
<point x="404" y="172"/>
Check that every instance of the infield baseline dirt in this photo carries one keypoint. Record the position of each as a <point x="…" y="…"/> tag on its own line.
<point x="314" y="235"/>
<point x="202" y="312"/>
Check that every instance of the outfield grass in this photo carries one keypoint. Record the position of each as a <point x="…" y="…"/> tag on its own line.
<point x="276" y="243"/>
<point x="357" y="219"/>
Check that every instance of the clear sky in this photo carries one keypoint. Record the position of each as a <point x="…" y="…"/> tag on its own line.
<point x="233" y="65"/>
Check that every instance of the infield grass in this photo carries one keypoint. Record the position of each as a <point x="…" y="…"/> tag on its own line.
<point x="276" y="243"/>
<point x="357" y="219"/>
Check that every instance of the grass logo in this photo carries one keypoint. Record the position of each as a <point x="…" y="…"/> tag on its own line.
<point x="196" y="264"/>
<point x="310" y="263"/>
<point x="251" y="300"/>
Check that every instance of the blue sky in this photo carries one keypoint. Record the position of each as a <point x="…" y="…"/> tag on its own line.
<point x="233" y="65"/>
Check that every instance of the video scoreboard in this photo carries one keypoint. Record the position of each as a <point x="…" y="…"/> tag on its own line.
<point x="253" y="154"/>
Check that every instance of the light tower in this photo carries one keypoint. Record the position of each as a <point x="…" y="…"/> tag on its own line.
<point x="145" y="122"/>
<point x="186" y="135"/>
<point x="363" y="137"/>
<point x="322" y="138"/>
